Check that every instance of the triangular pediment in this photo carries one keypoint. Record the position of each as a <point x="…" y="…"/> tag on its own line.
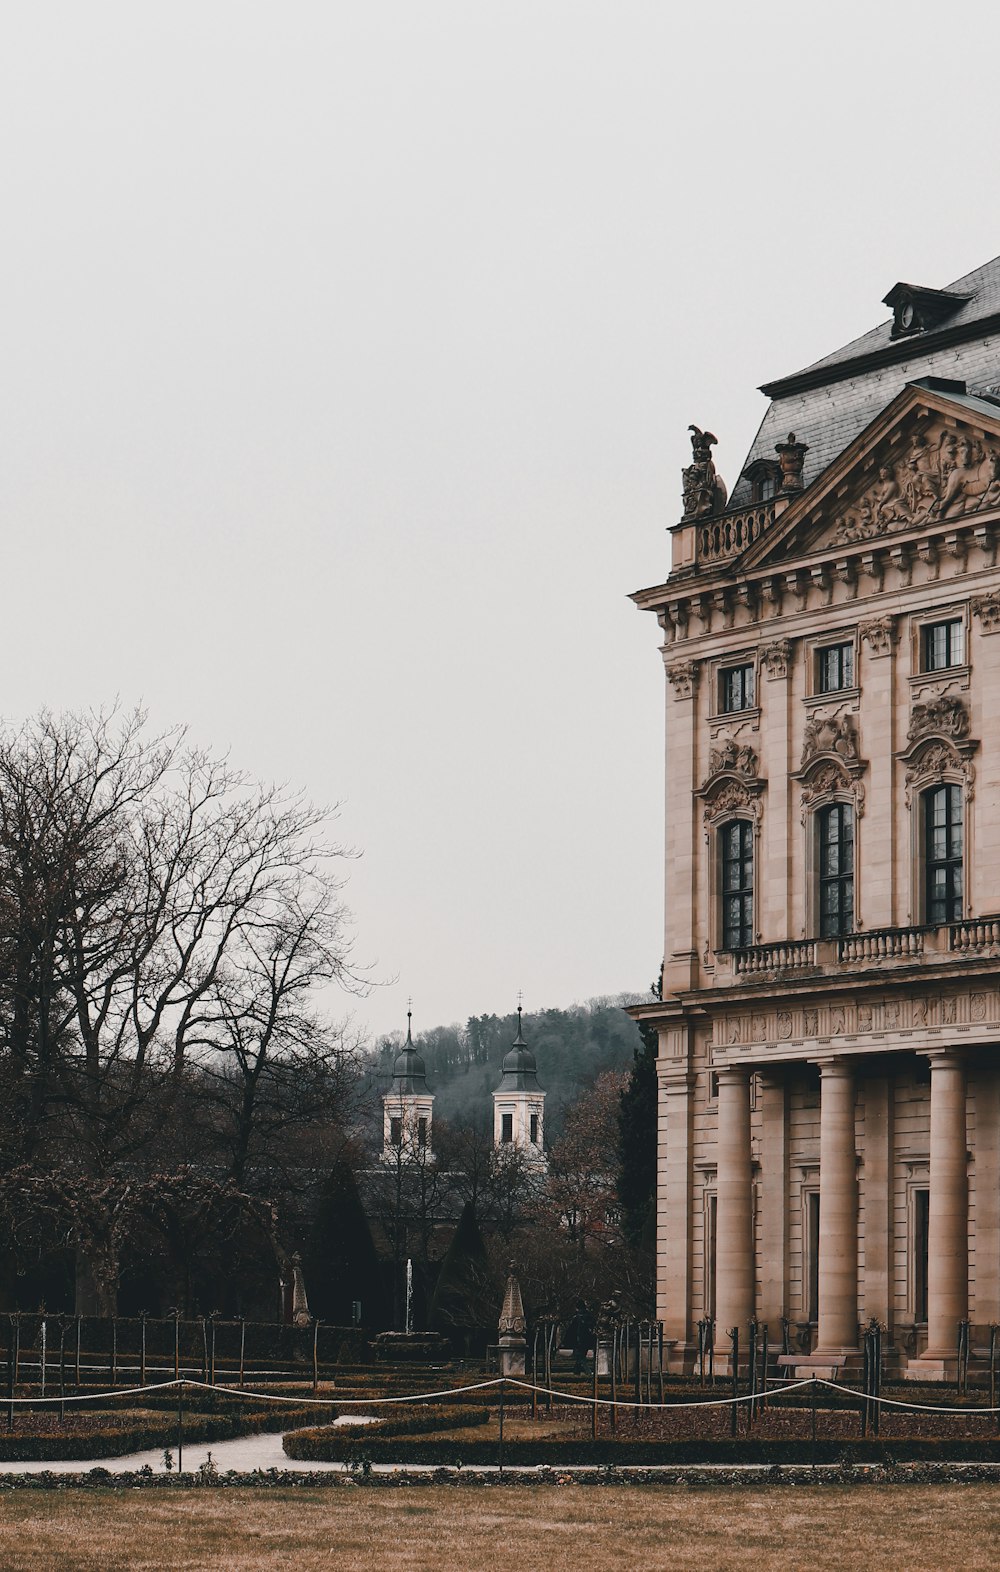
<point x="931" y="458"/>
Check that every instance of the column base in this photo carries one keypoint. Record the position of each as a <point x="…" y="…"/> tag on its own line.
<point x="932" y="1366"/>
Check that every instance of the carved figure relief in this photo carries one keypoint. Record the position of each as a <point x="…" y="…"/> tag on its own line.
<point x="879" y="633"/>
<point x="728" y="754"/>
<point x="774" y="657"/>
<point x="703" y="489"/>
<point x="987" y="609"/>
<point x="734" y="797"/>
<point x="683" y="678"/>
<point x="829" y="734"/>
<point x="828" y="780"/>
<point x="943" y="716"/>
<point x="946" y="474"/>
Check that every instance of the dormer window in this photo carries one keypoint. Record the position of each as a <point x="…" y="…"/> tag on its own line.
<point x="764" y="476"/>
<point x="915" y="309"/>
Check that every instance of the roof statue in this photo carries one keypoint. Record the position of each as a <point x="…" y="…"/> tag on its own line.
<point x="704" y="490"/>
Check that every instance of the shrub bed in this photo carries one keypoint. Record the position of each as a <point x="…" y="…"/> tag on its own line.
<point x="442" y="1450"/>
<point x="326" y="1444"/>
<point x="139" y="1433"/>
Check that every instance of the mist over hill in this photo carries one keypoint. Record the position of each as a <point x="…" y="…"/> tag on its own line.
<point x="572" y="1047"/>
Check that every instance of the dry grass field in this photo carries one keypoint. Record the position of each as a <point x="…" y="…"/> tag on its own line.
<point x="563" y="1529"/>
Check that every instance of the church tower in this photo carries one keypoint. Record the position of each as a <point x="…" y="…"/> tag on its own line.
<point x="407" y="1105"/>
<point x="519" y="1102"/>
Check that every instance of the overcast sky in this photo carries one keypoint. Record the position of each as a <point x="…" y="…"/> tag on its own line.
<point x="348" y="351"/>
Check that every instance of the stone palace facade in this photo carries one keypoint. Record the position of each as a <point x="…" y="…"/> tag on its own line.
<point x="829" y="1033"/>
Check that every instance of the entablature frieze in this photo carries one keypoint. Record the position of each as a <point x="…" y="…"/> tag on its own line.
<point x="906" y="1022"/>
<point x="841" y="576"/>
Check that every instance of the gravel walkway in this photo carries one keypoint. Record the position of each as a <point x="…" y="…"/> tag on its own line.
<point x="244" y="1454"/>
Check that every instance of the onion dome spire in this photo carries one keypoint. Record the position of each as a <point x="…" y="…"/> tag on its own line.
<point x="409" y="1074"/>
<point x="520" y="1072"/>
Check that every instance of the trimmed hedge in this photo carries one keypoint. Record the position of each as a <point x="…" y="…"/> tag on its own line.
<point x="434" y="1449"/>
<point x="154" y="1430"/>
<point x="329" y="1444"/>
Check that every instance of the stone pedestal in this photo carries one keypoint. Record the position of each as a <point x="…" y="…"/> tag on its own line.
<point x="513" y="1354"/>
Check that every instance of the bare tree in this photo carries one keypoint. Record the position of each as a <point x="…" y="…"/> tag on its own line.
<point x="158" y="913"/>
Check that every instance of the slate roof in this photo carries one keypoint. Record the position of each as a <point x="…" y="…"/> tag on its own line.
<point x="983" y="284"/>
<point x="829" y="411"/>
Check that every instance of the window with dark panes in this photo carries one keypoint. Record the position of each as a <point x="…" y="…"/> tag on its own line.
<point x="421" y="1132"/>
<point x="736" y="870"/>
<point x="534" y="1129"/>
<point x="396" y="1132"/>
<point x="836" y="870"/>
<point x="834" y="668"/>
<point x="736" y="689"/>
<point x="942" y="645"/>
<point x="943" y="847"/>
<point x="506" y="1128"/>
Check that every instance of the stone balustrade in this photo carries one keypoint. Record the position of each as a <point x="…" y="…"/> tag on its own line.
<point x="732" y="533"/>
<point x="881" y="944"/>
<point x="789" y="955"/>
<point x="979" y="936"/>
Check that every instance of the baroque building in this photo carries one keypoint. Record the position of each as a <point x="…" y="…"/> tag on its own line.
<point x="828" y="1069"/>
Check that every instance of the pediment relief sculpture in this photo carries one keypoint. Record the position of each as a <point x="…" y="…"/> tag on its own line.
<point x="834" y="735"/>
<point x="704" y="491"/>
<point x="829" y="779"/>
<point x="944" y="715"/>
<point x="933" y="762"/>
<point x="944" y="474"/>
<point x="736" y="757"/>
<point x="727" y="796"/>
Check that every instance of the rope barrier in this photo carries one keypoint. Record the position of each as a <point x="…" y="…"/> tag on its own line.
<point x="306" y="1400"/>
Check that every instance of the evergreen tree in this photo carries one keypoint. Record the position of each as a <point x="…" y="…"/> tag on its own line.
<point x="341" y="1264"/>
<point x="637" y="1133"/>
<point x="461" y="1301"/>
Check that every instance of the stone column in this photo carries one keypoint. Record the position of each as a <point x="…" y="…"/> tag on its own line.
<point x="838" y="1211"/>
<point x="878" y="1211"/>
<point x="773" y="1198"/>
<point x="673" y="1198"/>
<point x="948" y="1222"/>
<point x="734" y="1277"/>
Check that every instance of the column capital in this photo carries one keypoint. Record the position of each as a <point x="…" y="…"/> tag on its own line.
<point x="949" y="1058"/>
<point x="734" y="1074"/>
<point x="834" y="1066"/>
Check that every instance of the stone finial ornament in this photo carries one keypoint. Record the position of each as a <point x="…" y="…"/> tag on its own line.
<point x="300" y="1304"/>
<point x="703" y="489"/>
<point x="792" y="457"/>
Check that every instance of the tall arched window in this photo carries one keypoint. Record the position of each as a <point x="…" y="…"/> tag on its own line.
<point x="943" y="848"/>
<point x="736" y="867"/>
<point x="836" y="870"/>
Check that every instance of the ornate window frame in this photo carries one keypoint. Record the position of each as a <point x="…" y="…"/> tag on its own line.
<point x="939" y="754"/>
<point x="852" y="796"/>
<point x="730" y="797"/>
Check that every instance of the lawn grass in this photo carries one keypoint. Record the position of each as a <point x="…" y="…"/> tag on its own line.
<point x="563" y="1529"/>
